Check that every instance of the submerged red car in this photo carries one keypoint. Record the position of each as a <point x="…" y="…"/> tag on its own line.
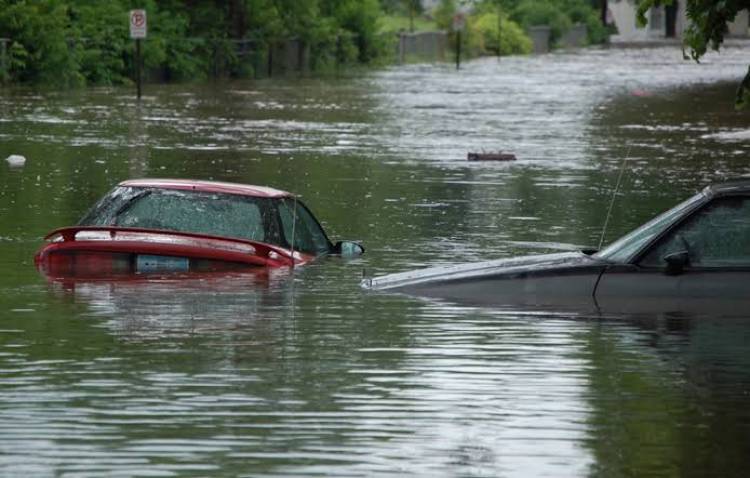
<point x="171" y="225"/>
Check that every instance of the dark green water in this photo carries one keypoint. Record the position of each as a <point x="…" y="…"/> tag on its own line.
<point x="305" y="374"/>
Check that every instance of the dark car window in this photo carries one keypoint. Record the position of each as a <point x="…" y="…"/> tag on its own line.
<point x="623" y="249"/>
<point x="187" y="211"/>
<point x="718" y="235"/>
<point x="307" y="233"/>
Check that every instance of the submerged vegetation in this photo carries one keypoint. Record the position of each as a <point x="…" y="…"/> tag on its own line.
<point x="79" y="42"/>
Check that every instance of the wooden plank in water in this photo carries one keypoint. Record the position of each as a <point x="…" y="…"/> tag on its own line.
<point x="498" y="156"/>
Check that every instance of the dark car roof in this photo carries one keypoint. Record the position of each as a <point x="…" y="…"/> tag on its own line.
<point x="207" y="186"/>
<point x="739" y="185"/>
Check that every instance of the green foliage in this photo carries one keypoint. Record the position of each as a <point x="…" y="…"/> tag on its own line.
<point x="395" y="24"/>
<point x="743" y="93"/>
<point x="40" y="50"/>
<point x="707" y="27"/>
<point x="17" y="57"/>
<point x="402" y="7"/>
<point x="580" y="11"/>
<point x="76" y="42"/>
<point x="530" y="13"/>
<point x="560" y="15"/>
<point x="484" y="35"/>
<point x="359" y="20"/>
<point x="443" y="14"/>
<point x="102" y="40"/>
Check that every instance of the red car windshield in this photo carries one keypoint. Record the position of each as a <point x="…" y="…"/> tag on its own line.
<point x="227" y="215"/>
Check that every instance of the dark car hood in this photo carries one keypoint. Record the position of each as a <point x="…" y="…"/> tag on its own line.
<point x="477" y="270"/>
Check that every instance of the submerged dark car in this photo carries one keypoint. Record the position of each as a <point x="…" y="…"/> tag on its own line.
<point x="694" y="258"/>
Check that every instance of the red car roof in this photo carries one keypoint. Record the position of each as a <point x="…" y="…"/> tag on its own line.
<point x="207" y="186"/>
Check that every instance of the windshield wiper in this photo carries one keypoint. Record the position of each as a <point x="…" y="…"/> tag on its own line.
<point x="129" y="203"/>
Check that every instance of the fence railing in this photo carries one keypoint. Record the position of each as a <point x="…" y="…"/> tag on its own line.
<point x="422" y="46"/>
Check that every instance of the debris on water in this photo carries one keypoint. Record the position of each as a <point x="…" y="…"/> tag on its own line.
<point x="16" y="160"/>
<point x="491" y="156"/>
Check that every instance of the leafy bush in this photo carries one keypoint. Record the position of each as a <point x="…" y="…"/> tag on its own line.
<point x="530" y="13"/>
<point x="101" y="38"/>
<point x="443" y="14"/>
<point x="581" y="12"/>
<point x="359" y="19"/>
<point x="75" y="42"/>
<point x="484" y="36"/>
<point x="40" y="51"/>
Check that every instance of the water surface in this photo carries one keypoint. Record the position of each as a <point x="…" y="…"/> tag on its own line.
<point x="301" y="372"/>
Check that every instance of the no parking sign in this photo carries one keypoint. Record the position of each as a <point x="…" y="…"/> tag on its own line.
<point x="137" y="24"/>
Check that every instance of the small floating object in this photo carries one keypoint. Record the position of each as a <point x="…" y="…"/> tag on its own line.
<point x="496" y="156"/>
<point x="16" y="160"/>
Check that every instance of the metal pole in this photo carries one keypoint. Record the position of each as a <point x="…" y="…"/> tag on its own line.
<point x="338" y="53"/>
<point x="499" y="32"/>
<point x="458" y="49"/>
<point x="270" y="59"/>
<point x="3" y="59"/>
<point x="138" y="66"/>
<point x="401" y="48"/>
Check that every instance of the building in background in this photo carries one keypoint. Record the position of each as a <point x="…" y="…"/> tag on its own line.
<point x="664" y="22"/>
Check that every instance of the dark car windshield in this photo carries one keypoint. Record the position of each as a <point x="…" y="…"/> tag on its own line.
<point x="227" y="215"/>
<point x="300" y="227"/>
<point x="623" y="249"/>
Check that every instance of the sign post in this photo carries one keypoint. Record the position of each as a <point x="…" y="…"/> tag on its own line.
<point x="3" y="59"/>
<point x="138" y="32"/>
<point x="459" y="22"/>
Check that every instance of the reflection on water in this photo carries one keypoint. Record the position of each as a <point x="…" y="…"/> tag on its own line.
<point x="300" y="372"/>
<point x="152" y="309"/>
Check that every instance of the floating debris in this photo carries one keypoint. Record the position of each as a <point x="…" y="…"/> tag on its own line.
<point x="496" y="156"/>
<point x="16" y="160"/>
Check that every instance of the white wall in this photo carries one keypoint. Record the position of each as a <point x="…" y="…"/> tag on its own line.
<point x="623" y="13"/>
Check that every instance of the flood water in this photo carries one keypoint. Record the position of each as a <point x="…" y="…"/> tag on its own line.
<point x="302" y="373"/>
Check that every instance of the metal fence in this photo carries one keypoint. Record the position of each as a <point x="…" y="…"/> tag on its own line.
<point x="422" y="46"/>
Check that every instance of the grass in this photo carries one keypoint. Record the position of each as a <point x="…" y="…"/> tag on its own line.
<point x="396" y="23"/>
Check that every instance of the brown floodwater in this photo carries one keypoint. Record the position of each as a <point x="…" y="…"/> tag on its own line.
<point x="302" y="373"/>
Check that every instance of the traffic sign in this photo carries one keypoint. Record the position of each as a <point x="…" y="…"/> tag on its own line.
<point x="459" y="22"/>
<point x="137" y="24"/>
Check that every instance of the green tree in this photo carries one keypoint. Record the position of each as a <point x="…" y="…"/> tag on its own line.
<point x="99" y="33"/>
<point x="444" y="14"/>
<point x="76" y="42"/>
<point x="40" y="49"/>
<point x="707" y="28"/>
<point x="529" y="13"/>
<point x="488" y="34"/>
<point x="414" y="7"/>
<point x="358" y="21"/>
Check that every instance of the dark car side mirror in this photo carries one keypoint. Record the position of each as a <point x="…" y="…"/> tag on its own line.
<point x="348" y="248"/>
<point x="676" y="262"/>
